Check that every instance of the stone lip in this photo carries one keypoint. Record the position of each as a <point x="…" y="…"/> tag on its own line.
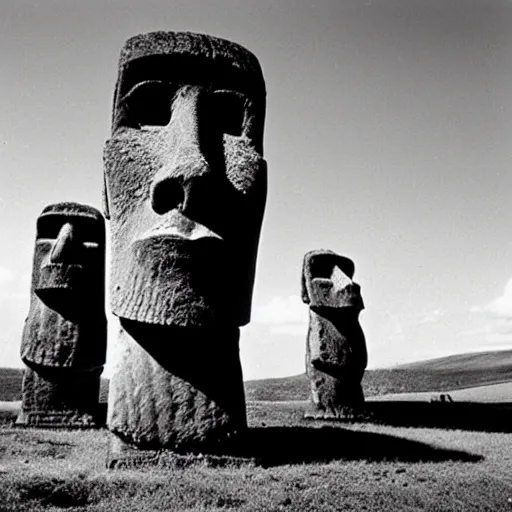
<point x="61" y="287"/>
<point x="59" y="275"/>
<point x="166" y="247"/>
<point x="174" y="234"/>
<point x="176" y="225"/>
<point x="169" y="280"/>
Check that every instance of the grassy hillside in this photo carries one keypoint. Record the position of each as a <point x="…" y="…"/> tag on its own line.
<point x="473" y="361"/>
<point x="444" y="374"/>
<point x="379" y="382"/>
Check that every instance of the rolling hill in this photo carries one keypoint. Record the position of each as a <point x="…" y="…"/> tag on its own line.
<point x="495" y="361"/>
<point x="443" y="374"/>
<point x="459" y="371"/>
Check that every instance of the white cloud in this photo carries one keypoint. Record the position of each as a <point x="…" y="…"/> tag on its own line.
<point x="500" y="307"/>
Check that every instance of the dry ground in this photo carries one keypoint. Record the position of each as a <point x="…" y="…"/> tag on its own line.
<point x="308" y="466"/>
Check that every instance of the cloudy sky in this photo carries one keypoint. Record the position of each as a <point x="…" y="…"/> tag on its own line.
<point x="388" y="138"/>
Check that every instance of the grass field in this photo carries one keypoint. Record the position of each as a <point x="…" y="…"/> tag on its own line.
<point x="308" y="466"/>
<point x="408" y="455"/>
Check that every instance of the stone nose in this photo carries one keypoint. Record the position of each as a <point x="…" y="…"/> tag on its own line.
<point x="185" y="144"/>
<point x="182" y="185"/>
<point x="63" y="247"/>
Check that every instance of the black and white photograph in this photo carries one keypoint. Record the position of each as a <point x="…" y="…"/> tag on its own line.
<point x="257" y="255"/>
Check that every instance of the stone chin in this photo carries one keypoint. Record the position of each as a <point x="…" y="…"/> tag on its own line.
<point x="166" y="280"/>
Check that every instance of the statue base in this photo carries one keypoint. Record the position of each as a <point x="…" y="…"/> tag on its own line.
<point x="56" y="397"/>
<point x="61" y="419"/>
<point x="122" y="455"/>
<point x="337" y="413"/>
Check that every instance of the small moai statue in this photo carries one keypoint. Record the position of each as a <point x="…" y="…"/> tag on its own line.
<point x="64" y="338"/>
<point x="185" y="191"/>
<point x="336" y="354"/>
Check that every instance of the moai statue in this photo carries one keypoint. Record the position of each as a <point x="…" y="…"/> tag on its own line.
<point x="65" y="334"/>
<point x="335" y="349"/>
<point x="185" y="190"/>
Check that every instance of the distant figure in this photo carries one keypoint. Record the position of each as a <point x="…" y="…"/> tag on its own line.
<point x="336" y="354"/>
<point x="442" y="398"/>
<point x="65" y="333"/>
<point x="185" y="191"/>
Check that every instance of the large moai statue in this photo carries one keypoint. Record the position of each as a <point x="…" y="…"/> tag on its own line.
<point x="65" y="334"/>
<point x="185" y="191"/>
<point x="336" y="354"/>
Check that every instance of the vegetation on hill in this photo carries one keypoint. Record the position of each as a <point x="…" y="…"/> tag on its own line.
<point x="380" y="382"/>
<point x="443" y="374"/>
<point x="491" y="361"/>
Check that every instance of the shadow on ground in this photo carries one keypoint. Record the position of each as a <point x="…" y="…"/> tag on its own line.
<point x="272" y="446"/>
<point x="448" y="415"/>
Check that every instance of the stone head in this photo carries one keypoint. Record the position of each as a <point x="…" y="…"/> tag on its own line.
<point x="66" y="324"/>
<point x="185" y="180"/>
<point x="327" y="282"/>
<point x="69" y="257"/>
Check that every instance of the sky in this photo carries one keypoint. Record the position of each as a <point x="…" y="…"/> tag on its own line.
<point x="387" y="137"/>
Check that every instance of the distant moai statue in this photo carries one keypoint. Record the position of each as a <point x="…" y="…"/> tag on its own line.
<point x="185" y="191"/>
<point x="336" y="354"/>
<point x="64" y="338"/>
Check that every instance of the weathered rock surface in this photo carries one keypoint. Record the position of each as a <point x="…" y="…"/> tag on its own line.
<point x="336" y="354"/>
<point x="65" y="333"/>
<point x="185" y="189"/>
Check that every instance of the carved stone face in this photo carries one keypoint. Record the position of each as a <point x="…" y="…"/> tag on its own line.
<point x="327" y="282"/>
<point x="185" y="180"/>
<point x="66" y="323"/>
<point x="69" y="255"/>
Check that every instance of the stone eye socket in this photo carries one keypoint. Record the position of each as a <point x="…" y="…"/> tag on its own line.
<point x="323" y="266"/>
<point x="49" y="226"/>
<point x="229" y="111"/>
<point x="147" y="104"/>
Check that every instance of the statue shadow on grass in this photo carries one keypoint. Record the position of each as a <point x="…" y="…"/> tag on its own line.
<point x="481" y="417"/>
<point x="272" y="446"/>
